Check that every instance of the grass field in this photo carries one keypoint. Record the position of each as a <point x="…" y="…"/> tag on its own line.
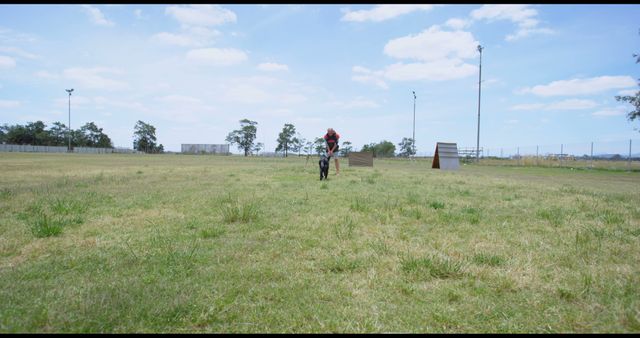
<point x="178" y="243"/>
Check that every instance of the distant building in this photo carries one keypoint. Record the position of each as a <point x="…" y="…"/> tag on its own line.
<point x="220" y="149"/>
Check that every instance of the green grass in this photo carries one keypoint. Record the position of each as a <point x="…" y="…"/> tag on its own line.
<point x="177" y="243"/>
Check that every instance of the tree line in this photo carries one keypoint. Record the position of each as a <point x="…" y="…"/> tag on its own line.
<point x="89" y="135"/>
<point x="37" y="134"/>
<point x="290" y="141"/>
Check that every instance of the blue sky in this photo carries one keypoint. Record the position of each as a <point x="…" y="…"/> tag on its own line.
<point x="550" y="72"/>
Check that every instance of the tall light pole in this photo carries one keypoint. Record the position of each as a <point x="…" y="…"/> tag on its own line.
<point x="414" y="124"/>
<point x="480" y="48"/>
<point x="69" y="128"/>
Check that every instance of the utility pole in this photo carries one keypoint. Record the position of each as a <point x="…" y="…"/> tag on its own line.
<point x="480" y="48"/>
<point x="69" y="128"/>
<point x="414" y="124"/>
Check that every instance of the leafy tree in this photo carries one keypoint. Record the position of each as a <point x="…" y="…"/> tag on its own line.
<point x="17" y="134"/>
<point x="259" y="146"/>
<point x="245" y="136"/>
<point x="58" y="134"/>
<point x="371" y="147"/>
<point x="144" y="138"/>
<point x="78" y="138"/>
<point x="308" y="147"/>
<point x="346" y="148"/>
<point x="286" y="139"/>
<point x="633" y="100"/>
<point x="32" y="133"/>
<point x="382" y="149"/>
<point x="297" y="143"/>
<point x="319" y="145"/>
<point x="385" y="149"/>
<point x="36" y="133"/>
<point x="406" y="147"/>
<point x="94" y="137"/>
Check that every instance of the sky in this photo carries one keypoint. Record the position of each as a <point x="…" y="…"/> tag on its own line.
<point x="550" y="73"/>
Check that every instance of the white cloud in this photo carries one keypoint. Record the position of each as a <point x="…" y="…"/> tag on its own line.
<point x="19" y="52"/>
<point x="581" y="86"/>
<point x="570" y="104"/>
<point x="217" y="56"/>
<point x="262" y="89"/>
<point x="191" y="37"/>
<point x="46" y="75"/>
<point x="201" y="15"/>
<point x="174" y="39"/>
<point x="138" y="14"/>
<point x="11" y="36"/>
<point x="382" y="12"/>
<point x="439" y="53"/>
<point x="93" y="78"/>
<point x="528" y="106"/>
<point x="364" y="75"/>
<point x="439" y="70"/>
<point x="195" y="20"/>
<point x="246" y="93"/>
<point x="7" y="62"/>
<point x="271" y="67"/>
<point x="96" y="16"/>
<point x="522" y="15"/>
<point x="433" y="44"/>
<point x="617" y="111"/>
<point x="457" y="24"/>
<point x="628" y="92"/>
<point x="5" y="104"/>
<point x="77" y="101"/>
<point x="522" y="33"/>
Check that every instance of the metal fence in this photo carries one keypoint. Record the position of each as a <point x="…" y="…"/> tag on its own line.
<point x="602" y="154"/>
<point x="205" y="149"/>
<point x="56" y="149"/>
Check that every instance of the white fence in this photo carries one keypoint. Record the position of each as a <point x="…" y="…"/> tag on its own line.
<point x="205" y="149"/>
<point x="56" y="149"/>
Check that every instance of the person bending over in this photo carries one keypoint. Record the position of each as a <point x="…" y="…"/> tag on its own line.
<point x="331" y="137"/>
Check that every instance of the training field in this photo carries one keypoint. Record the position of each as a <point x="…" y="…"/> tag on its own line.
<point x="181" y="243"/>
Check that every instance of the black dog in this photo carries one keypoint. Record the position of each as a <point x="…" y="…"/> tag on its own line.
<point x="324" y="166"/>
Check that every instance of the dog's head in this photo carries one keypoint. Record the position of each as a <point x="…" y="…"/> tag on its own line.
<point x="324" y="160"/>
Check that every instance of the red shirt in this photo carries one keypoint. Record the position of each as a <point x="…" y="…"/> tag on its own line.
<point x="331" y="139"/>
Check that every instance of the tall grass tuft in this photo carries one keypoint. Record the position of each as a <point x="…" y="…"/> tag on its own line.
<point x="436" y="205"/>
<point x="344" y="230"/>
<point x="553" y="215"/>
<point x="360" y="204"/>
<point x="240" y="212"/>
<point x="471" y="214"/>
<point x="5" y="193"/>
<point x="45" y="226"/>
<point x="432" y="267"/>
<point x="63" y="206"/>
<point x="341" y="263"/>
<point x="610" y="217"/>
<point x="488" y="259"/>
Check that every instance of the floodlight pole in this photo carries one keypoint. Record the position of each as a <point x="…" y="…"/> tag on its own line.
<point x="414" y="124"/>
<point x="69" y="128"/>
<point x="480" y="48"/>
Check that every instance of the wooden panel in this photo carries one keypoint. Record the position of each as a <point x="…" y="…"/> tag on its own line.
<point x="361" y="159"/>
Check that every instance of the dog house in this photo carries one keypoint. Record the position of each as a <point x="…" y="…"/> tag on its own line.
<point x="361" y="159"/>
<point x="446" y="156"/>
